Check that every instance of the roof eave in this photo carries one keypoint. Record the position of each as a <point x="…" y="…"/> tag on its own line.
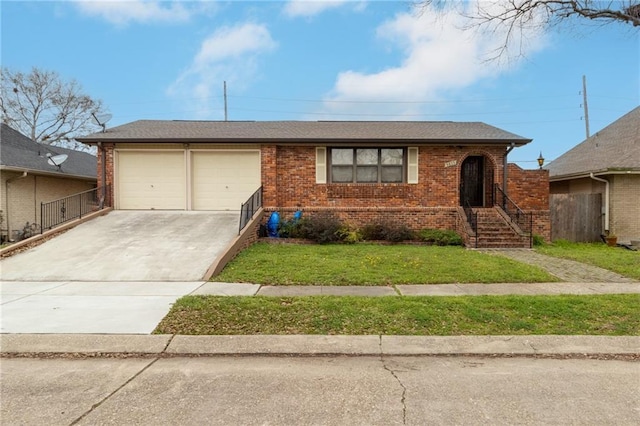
<point x="601" y="172"/>
<point x="518" y="142"/>
<point x="46" y="173"/>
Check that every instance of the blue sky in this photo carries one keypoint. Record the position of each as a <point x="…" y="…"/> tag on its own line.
<point x="340" y="60"/>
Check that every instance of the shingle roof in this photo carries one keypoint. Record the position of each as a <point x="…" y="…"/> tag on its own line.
<point x="614" y="148"/>
<point x="305" y="131"/>
<point x="20" y="152"/>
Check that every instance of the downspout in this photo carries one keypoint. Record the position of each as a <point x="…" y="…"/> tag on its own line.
<point x="103" y="195"/>
<point x="606" y="200"/>
<point x="504" y="171"/>
<point x="6" y="192"/>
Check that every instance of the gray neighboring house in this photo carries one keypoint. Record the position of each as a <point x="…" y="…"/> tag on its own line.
<point x="27" y="179"/>
<point x="607" y="163"/>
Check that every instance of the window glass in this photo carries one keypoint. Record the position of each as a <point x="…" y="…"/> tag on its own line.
<point x="367" y="174"/>
<point x="342" y="174"/>
<point x="391" y="174"/>
<point x="342" y="156"/>
<point x="367" y="165"/>
<point x="367" y="156"/>
<point x="391" y="156"/>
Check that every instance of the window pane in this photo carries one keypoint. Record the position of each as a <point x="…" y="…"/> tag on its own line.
<point x="367" y="156"/>
<point x="367" y="174"/>
<point x="392" y="174"/>
<point x="342" y="174"/>
<point x="342" y="156"/>
<point x="392" y="156"/>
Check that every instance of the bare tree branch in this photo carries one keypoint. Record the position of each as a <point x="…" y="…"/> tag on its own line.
<point x="515" y="17"/>
<point x="45" y="108"/>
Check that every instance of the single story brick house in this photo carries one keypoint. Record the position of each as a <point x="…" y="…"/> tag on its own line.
<point x="28" y="179"/>
<point x="422" y="174"/>
<point x="606" y="163"/>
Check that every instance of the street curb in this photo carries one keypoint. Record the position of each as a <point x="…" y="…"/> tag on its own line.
<point x="314" y="345"/>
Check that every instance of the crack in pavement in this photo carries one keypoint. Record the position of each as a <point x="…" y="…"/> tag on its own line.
<point x="395" y="376"/>
<point x="103" y="400"/>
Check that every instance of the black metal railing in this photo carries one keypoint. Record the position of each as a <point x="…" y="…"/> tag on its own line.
<point x="74" y="206"/>
<point x="248" y="208"/>
<point x="515" y="213"/>
<point x="472" y="219"/>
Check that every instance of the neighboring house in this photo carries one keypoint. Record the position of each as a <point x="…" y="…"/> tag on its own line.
<point x="606" y="163"/>
<point x="27" y="178"/>
<point x="417" y="173"/>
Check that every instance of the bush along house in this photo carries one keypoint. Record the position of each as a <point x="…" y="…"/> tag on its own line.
<point x="441" y="175"/>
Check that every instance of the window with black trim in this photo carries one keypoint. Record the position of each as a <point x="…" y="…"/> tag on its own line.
<point x="368" y="165"/>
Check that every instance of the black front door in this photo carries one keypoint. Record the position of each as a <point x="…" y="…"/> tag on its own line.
<point x="472" y="182"/>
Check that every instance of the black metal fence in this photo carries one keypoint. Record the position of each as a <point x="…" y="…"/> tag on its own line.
<point x="74" y="206"/>
<point x="248" y="209"/>
<point x="515" y="213"/>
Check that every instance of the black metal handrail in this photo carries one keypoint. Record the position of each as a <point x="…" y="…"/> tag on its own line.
<point x="248" y="208"/>
<point x="472" y="218"/>
<point x="57" y="212"/>
<point x="515" y="213"/>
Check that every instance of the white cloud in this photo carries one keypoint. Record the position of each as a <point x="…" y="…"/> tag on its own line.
<point x="441" y="54"/>
<point x="229" y="54"/>
<point x="123" y="12"/>
<point x="308" y="8"/>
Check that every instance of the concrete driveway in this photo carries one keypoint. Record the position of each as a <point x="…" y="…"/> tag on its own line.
<point x="118" y="273"/>
<point x="129" y="246"/>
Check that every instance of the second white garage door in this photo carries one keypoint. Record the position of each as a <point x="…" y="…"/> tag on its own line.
<point x="223" y="180"/>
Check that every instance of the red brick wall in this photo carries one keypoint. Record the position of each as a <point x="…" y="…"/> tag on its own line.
<point x="438" y="180"/>
<point x="529" y="189"/>
<point x="108" y="149"/>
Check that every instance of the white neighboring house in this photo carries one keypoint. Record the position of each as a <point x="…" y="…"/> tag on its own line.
<point x="27" y="178"/>
<point x="608" y="163"/>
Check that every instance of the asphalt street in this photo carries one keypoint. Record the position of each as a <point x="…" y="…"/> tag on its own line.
<point x="335" y="390"/>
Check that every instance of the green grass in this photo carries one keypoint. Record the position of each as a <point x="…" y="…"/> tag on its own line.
<point x="373" y="264"/>
<point x="616" y="259"/>
<point x="403" y="315"/>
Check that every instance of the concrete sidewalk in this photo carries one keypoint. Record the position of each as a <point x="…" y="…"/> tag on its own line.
<point x="313" y="345"/>
<point x="529" y="289"/>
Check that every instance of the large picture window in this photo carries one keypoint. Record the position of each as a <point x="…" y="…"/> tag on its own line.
<point x="367" y="165"/>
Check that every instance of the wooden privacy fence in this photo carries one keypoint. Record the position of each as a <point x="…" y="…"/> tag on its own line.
<point x="576" y="217"/>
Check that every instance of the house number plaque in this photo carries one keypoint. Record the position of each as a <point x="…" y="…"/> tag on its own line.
<point x="451" y="163"/>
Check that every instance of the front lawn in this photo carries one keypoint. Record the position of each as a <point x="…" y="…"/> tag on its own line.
<point x="373" y="264"/>
<point x="402" y="315"/>
<point x="617" y="259"/>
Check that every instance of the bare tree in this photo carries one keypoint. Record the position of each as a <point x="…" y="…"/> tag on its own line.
<point x="44" y="107"/>
<point x="515" y="17"/>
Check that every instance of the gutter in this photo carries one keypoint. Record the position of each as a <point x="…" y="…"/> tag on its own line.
<point x="505" y="166"/>
<point x="606" y="200"/>
<point x="103" y="194"/>
<point x="6" y="192"/>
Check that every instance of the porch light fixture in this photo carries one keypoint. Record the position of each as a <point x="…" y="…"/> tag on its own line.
<point x="540" y="160"/>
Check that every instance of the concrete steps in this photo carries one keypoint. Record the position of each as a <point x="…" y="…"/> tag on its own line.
<point x="495" y="232"/>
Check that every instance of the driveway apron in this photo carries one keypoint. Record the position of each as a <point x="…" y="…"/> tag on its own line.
<point x="129" y="246"/>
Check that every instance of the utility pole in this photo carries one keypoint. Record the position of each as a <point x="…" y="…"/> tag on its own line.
<point x="584" y="103"/>
<point x="225" y="103"/>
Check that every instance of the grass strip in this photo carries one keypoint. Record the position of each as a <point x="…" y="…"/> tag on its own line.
<point x="403" y="315"/>
<point x="373" y="264"/>
<point x="617" y="259"/>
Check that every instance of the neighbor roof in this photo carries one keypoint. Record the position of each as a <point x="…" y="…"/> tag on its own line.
<point x="20" y="153"/>
<point x="614" y="149"/>
<point x="305" y="132"/>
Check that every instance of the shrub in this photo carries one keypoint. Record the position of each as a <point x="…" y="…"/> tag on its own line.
<point x="322" y="228"/>
<point x="441" y="237"/>
<point x="538" y="240"/>
<point x="349" y="235"/>
<point x="385" y="231"/>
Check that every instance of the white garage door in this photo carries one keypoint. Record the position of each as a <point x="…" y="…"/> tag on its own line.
<point x="151" y="180"/>
<point x="223" y="180"/>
